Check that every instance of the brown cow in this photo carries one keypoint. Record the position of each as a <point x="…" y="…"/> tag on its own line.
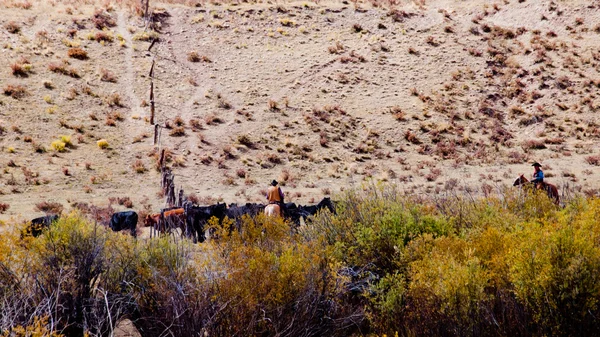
<point x="173" y="218"/>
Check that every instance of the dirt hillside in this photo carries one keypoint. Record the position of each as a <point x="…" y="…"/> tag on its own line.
<point x="435" y="96"/>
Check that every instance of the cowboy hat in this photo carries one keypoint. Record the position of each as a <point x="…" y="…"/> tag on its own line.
<point x="274" y="183"/>
<point x="536" y="164"/>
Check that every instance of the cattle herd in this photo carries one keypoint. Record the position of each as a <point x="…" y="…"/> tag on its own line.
<point x="191" y="219"/>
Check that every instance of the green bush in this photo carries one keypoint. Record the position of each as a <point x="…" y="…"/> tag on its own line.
<point x="385" y="264"/>
<point x="555" y="271"/>
<point x="58" y="146"/>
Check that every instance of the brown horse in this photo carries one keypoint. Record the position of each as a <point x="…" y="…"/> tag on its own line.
<point x="550" y="189"/>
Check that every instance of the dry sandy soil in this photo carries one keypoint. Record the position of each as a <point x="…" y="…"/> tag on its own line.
<point x="435" y="96"/>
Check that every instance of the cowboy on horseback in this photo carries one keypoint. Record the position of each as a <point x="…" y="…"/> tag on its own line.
<point x="539" y="183"/>
<point x="538" y="176"/>
<point x="275" y="195"/>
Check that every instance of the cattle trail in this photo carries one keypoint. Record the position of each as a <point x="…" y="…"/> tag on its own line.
<point x="129" y="75"/>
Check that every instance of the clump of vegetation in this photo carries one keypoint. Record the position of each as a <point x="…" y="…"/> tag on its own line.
<point x="212" y="119"/>
<point x="62" y="68"/>
<point x="385" y="262"/>
<point x="125" y="201"/>
<point x="193" y="57"/>
<point x="102" y="143"/>
<point x="102" y="19"/>
<point x="138" y="166"/>
<point x="21" y="68"/>
<point x="103" y="37"/>
<point x="107" y="76"/>
<point x="273" y="105"/>
<point x="177" y="131"/>
<point x="533" y="144"/>
<point x="178" y="121"/>
<point x="593" y="160"/>
<point x="246" y="141"/>
<point x="412" y="137"/>
<point x="58" y="146"/>
<point x="224" y="104"/>
<point x="77" y="53"/>
<point x="49" y="207"/>
<point x="337" y="48"/>
<point x="114" y="100"/>
<point x="146" y="36"/>
<point x="67" y="140"/>
<point x="12" y="27"/>
<point x="15" y="91"/>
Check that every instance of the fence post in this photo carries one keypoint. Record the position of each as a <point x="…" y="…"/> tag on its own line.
<point x="180" y="200"/>
<point x="161" y="160"/>
<point x="152" y="107"/>
<point x="146" y="11"/>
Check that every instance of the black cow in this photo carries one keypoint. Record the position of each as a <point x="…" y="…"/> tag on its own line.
<point x="124" y="220"/>
<point x="313" y="209"/>
<point x="37" y="225"/>
<point x="198" y="216"/>
<point x="235" y="212"/>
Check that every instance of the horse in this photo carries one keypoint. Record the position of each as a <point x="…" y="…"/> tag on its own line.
<point x="550" y="189"/>
<point x="272" y="210"/>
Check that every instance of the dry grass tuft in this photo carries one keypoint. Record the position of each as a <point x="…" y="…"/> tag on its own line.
<point x="114" y="100"/>
<point x="337" y="48"/>
<point x="193" y="57"/>
<point x="49" y="207"/>
<point x="103" y="37"/>
<point x="195" y="124"/>
<point x="15" y="91"/>
<point x="178" y="121"/>
<point x="21" y="68"/>
<point x="411" y="137"/>
<point x="62" y="68"/>
<point x="593" y="160"/>
<point x="533" y="144"/>
<point x="273" y="105"/>
<point x="107" y="76"/>
<point x="212" y="119"/>
<point x="246" y="141"/>
<point x="138" y="166"/>
<point x="178" y="131"/>
<point x="398" y="114"/>
<point x="399" y="15"/>
<point x="241" y="173"/>
<point x="12" y="27"/>
<point x="224" y="104"/>
<point x="77" y="53"/>
<point x="102" y="19"/>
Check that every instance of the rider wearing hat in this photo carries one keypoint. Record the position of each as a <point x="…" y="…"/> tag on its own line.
<point x="538" y="175"/>
<point x="275" y="195"/>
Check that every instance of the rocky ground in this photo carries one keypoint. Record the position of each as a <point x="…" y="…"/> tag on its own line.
<point x="434" y="96"/>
